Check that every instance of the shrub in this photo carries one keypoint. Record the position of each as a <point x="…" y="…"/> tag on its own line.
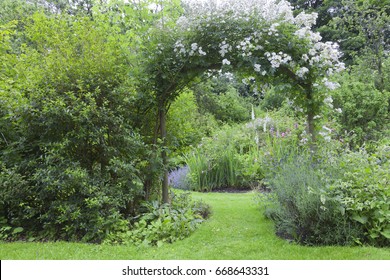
<point x="273" y="99"/>
<point x="164" y="223"/>
<point x="186" y="125"/>
<point x="219" y="98"/>
<point x="333" y="197"/>
<point x="363" y="190"/>
<point x="61" y="200"/>
<point x="300" y="208"/>
<point x="364" y="110"/>
<point x="10" y="199"/>
<point x="74" y="166"/>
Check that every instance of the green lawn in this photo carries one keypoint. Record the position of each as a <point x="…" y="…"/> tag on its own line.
<point x="236" y="230"/>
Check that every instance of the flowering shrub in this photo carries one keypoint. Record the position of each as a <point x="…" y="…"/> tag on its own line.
<point x="262" y="38"/>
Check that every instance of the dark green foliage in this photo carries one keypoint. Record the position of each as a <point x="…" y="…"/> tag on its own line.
<point x="364" y="110"/>
<point x="186" y="125"/>
<point x="219" y="98"/>
<point x="69" y="204"/>
<point x="300" y="210"/>
<point x="336" y="198"/>
<point x="273" y="99"/>
<point x="73" y="163"/>
<point x="77" y="168"/>
<point x="164" y="223"/>
<point x="363" y="190"/>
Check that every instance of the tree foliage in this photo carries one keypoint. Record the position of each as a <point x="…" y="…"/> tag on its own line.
<point x="70" y="142"/>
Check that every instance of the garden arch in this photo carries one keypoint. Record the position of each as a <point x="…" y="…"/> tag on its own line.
<point x="259" y="38"/>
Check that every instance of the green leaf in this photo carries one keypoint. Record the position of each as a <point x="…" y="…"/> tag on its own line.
<point x="360" y="219"/>
<point x="342" y="210"/>
<point x="17" y="230"/>
<point x="386" y="233"/>
<point x="374" y="235"/>
<point x="160" y="243"/>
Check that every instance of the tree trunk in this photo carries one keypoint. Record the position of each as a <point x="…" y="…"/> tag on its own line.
<point x="163" y="135"/>
<point x="381" y="83"/>
<point x="310" y="129"/>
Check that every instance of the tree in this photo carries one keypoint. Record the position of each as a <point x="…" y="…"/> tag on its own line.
<point x="358" y="26"/>
<point x="17" y="10"/>
<point x="70" y="144"/>
<point x="365" y="27"/>
<point x="8" y="96"/>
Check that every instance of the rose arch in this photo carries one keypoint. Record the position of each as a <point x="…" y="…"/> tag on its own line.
<point x="257" y="38"/>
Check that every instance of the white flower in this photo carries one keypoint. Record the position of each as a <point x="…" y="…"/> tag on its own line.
<point x="225" y="62"/>
<point x="306" y="20"/>
<point x="201" y="52"/>
<point x="338" y="110"/>
<point x="224" y="48"/>
<point x="257" y="139"/>
<point x="194" y="46"/>
<point x="331" y="85"/>
<point x="302" y="71"/>
<point x="312" y="52"/>
<point x="329" y="101"/>
<point x="339" y="67"/>
<point x="326" y="128"/>
<point x="277" y="59"/>
<point x="258" y="47"/>
<point x="257" y="67"/>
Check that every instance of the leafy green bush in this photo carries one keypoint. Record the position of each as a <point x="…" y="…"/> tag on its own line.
<point x="364" y="110"/>
<point x="300" y="207"/>
<point x="62" y="201"/>
<point x="186" y="126"/>
<point x="164" y="223"/>
<point x="74" y="166"/>
<point x="363" y="190"/>
<point x="10" y="198"/>
<point x="219" y="98"/>
<point x="333" y="197"/>
<point x="273" y="99"/>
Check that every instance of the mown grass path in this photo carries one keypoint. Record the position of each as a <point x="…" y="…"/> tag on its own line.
<point x="236" y="230"/>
